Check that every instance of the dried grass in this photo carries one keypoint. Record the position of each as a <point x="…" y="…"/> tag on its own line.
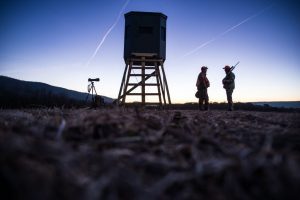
<point x="147" y="154"/>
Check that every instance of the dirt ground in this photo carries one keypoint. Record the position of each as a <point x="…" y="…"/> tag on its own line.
<point x="146" y="154"/>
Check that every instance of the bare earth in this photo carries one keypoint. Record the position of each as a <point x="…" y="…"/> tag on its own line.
<point x="146" y="154"/>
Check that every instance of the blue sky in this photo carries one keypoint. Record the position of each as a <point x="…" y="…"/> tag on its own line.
<point x="51" y="41"/>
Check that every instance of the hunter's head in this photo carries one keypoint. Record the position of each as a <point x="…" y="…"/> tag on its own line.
<point x="227" y="69"/>
<point x="204" y="69"/>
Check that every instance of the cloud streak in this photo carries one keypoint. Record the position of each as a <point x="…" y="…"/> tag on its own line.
<point x="107" y="32"/>
<point x="227" y="31"/>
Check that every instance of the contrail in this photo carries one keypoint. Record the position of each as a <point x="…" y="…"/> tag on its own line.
<point x="227" y="31"/>
<point x="107" y="32"/>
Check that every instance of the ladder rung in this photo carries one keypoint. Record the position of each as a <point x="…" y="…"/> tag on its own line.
<point x="141" y="94"/>
<point x="142" y="75"/>
<point x="146" y="84"/>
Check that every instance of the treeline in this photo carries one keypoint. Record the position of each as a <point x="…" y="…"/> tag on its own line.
<point x="36" y="98"/>
<point x="237" y="106"/>
<point x="45" y="98"/>
<point x="217" y="106"/>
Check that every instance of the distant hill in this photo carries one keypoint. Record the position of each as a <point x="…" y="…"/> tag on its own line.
<point x="17" y="93"/>
<point x="279" y="104"/>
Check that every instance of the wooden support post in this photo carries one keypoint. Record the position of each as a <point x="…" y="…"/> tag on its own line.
<point x="143" y="81"/>
<point x="158" y="83"/>
<point x="162" y="87"/>
<point x="127" y="80"/>
<point x="122" y="83"/>
<point x="165" y="82"/>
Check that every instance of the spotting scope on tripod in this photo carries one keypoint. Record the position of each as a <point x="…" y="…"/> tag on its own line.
<point x="92" y="90"/>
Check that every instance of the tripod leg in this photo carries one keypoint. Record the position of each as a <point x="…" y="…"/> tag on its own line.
<point x="94" y="90"/>
<point x="93" y="98"/>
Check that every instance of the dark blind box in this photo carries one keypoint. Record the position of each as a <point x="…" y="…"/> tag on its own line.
<point x="145" y="32"/>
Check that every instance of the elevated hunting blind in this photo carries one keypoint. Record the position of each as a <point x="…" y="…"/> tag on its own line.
<point x="145" y="51"/>
<point x="145" y="32"/>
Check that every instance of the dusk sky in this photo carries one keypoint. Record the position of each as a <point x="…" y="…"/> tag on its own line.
<point x="53" y="41"/>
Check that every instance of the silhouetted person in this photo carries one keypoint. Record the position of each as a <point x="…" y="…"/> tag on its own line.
<point x="202" y="85"/>
<point x="229" y="85"/>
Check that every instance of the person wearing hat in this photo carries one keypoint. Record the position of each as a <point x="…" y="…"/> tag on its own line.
<point x="229" y="85"/>
<point x="202" y="85"/>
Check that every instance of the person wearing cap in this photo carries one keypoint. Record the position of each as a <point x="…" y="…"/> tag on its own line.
<point x="202" y="85"/>
<point x="229" y="85"/>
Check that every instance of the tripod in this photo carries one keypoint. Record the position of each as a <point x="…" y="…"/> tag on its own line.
<point x="91" y="87"/>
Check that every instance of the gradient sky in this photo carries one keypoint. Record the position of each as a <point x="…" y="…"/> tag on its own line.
<point x="51" y="41"/>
